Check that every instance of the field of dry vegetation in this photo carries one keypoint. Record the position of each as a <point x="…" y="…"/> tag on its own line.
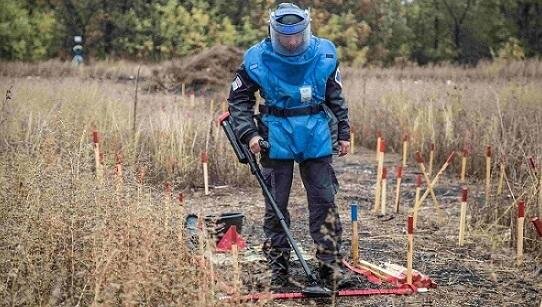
<point x="69" y="239"/>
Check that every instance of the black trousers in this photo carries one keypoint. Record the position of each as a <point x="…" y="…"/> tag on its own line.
<point x="321" y="185"/>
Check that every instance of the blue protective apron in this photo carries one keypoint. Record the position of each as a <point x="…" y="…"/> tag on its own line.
<point x="291" y="83"/>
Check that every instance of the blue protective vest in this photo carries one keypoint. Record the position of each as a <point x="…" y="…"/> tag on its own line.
<point x="294" y="82"/>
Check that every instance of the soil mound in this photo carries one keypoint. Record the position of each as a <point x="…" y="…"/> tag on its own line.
<point x="210" y="70"/>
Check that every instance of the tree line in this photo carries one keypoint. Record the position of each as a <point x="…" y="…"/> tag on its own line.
<point x="380" y="32"/>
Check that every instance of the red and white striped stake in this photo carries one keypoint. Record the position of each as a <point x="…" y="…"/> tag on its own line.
<point x="464" y="164"/>
<point x="488" y="173"/>
<point x="520" y="226"/>
<point x="384" y="189"/>
<point x="537" y="223"/>
<point x="405" y="149"/>
<point x="204" y="162"/>
<point x="410" y="251"/>
<point x="97" y="155"/>
<point x="502" y="171"/>
<point x="417" y="197"/>
<point x="463" y="216"/>
<point x="399" y="177"/>
<point x="380" y="166"/>
<point x="431" y="159"/>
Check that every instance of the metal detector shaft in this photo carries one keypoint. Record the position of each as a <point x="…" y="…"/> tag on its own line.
<point x="245" y="156"/>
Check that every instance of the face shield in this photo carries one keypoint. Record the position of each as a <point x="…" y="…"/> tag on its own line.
<point x="289" y="29"/>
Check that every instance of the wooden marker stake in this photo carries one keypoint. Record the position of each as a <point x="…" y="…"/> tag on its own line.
<point x="421" y="164"/>
<point x="183" y="90"/>
<point x="431" y="159"/>
<point x="378" y="141"/>
<point x="488" y="174"/>
<point x="464" y="164"/>
<point x="501" y="177"/>
<point x="96" y="140"/>
<point x="410" y="251"/>
<point x="384" y="188"/>
<point x="463" y="216"/>
<point x="405" y="150"/>
<point x="380" y="166"/>
<point x="435" y="180"/>
<point x="399" y="176"/>
<point x="204" y="162"/>
<point x="520" y="225"/>
<point x="355" y="235"/>
<point x="417" y="197"/>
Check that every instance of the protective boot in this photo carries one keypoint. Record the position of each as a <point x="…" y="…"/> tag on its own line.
<point x="335" y="276"/>
<point x="278" y="261"/>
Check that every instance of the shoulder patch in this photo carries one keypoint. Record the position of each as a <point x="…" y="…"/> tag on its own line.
<point x="253" y="66"/>
<point x="329" y="56"/>
<point x="236" y="84"/>
<point x="338" y="78"/>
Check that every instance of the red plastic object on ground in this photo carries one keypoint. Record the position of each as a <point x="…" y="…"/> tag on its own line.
<point x="230" y="238"/>
<point x="403" y="290"/>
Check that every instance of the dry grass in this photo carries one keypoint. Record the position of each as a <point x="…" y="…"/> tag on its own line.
<point x="69" y="240"/>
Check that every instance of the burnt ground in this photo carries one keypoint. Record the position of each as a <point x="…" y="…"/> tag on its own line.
<point x="480" y="273"/>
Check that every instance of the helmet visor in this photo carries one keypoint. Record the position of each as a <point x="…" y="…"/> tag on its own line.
<point x="290" y="44"/>
<point x="290" y="30"/>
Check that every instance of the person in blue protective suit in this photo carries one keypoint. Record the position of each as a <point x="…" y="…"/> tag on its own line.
<point x="305" y="120"/>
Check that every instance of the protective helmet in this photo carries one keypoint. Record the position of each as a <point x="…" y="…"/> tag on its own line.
<point x="289" y="29"/>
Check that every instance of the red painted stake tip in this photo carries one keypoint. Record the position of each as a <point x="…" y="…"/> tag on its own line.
<point x="180" y="198"/>
<point x="465" y="152"/>
<point x="538" y="226"/>
<point x="521" y="209"/>
<point x="399" y="170"/>
<point x="450" y="158"/>
<point x="464" y="194"/>
<point x="418" y="180"/>
<point x="378" y="134"/>
<point x="384" y="172"/>
<point x="95" y="137"/>
<point x="405" y="137"/>
<point x="419" y="157"/>
<point x="410" y="225"/>
<point x="204" y="157"/>
<point x="488" y="151"/>
<point x="382" y="145"/>
<point x="433" y="146"/>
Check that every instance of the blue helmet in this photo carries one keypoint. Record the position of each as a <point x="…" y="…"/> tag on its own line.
<point x="289" y="29"/>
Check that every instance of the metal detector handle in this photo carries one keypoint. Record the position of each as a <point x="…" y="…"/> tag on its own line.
<point x="241" y="154"/>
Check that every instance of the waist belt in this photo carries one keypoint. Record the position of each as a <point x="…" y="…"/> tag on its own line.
<point x="308" y="110"/>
